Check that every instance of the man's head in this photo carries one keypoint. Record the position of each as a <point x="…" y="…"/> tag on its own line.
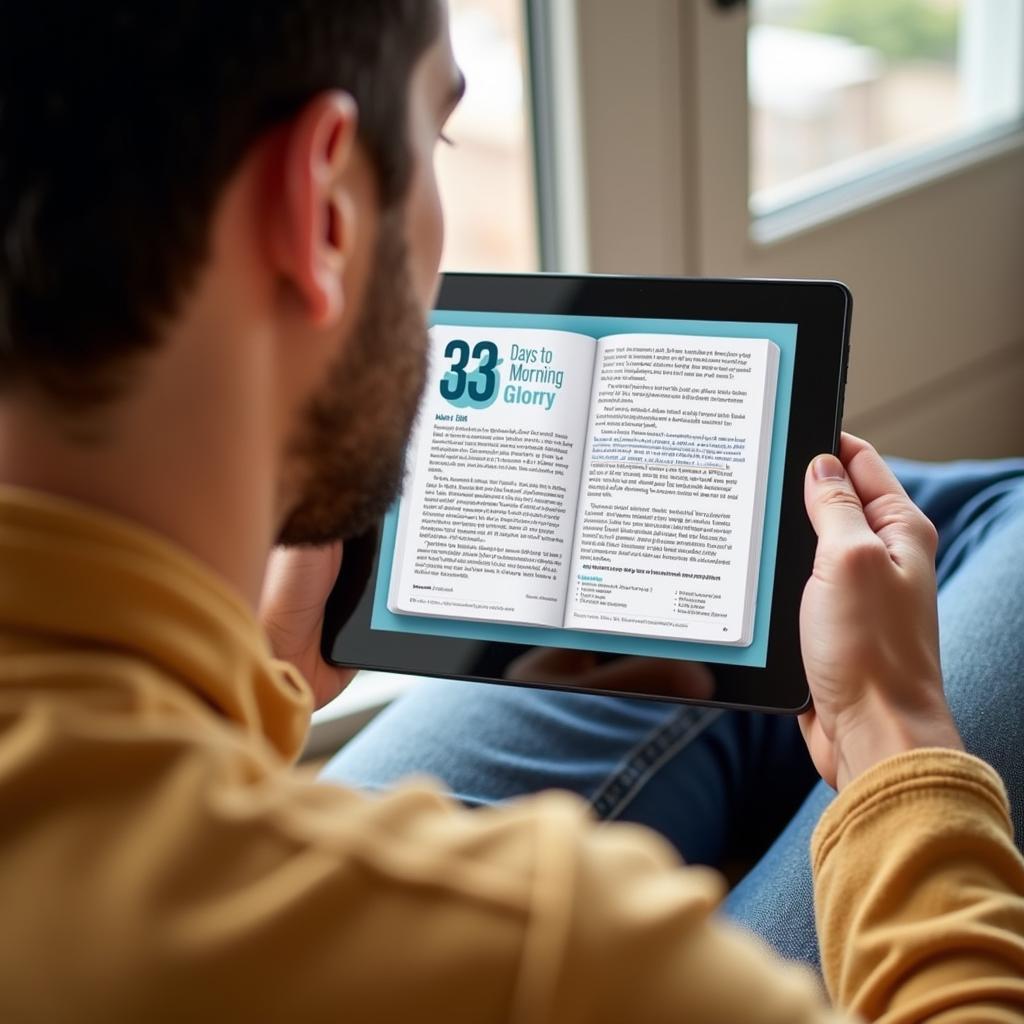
<point x="189" y="187"/>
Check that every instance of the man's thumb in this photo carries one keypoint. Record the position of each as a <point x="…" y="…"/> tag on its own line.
<point x="834" y="508"/>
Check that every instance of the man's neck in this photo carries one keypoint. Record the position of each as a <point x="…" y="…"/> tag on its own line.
<point x="197" y="470"/>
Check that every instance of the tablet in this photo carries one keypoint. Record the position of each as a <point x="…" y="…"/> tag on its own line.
<point x="604" y="490"/>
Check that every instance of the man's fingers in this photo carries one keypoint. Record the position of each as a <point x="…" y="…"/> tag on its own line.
<point x="833" y="505"/>
<point x="300" y="579"/>
<point x="887" y="508"/>
<point x="869" y="472"/>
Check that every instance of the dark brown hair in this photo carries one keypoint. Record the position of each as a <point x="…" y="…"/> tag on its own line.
<point x="120" y="124"/>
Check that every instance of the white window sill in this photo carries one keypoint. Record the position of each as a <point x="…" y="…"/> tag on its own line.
<point x="362" y="700"/>
<point x="811" y="207"/>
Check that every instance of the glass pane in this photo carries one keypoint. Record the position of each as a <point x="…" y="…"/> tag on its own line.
<point x="487" y="176"/>
<point x="840" y="87"/>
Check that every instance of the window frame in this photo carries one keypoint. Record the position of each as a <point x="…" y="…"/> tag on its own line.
<point x="883" y="174"/>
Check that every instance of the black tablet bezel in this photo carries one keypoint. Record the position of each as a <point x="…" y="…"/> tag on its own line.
<point x="820" y="309"/>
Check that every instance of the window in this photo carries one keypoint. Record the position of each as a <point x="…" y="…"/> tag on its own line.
<point x="487" y="178"/>
<point x="840" y="89"/>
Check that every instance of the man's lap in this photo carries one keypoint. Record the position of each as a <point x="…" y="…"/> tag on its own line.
<point x="625" y="757"/>
<point x="723" y="784"/>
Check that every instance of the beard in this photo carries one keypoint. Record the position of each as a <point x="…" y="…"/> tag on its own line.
<point x="351" y="442"/>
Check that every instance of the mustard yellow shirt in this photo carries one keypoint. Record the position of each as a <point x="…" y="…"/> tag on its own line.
<point x="161" y="859"/>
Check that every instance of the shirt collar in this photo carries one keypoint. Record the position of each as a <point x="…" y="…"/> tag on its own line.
<point x="82" y="575"/>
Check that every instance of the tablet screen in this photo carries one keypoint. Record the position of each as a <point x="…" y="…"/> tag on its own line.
<point x="602" y="483"/>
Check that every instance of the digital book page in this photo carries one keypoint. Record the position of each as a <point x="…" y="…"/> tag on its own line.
<point x="669" y="522"/>
<point x="486" y="522"/>
<point x="599" y="490"/>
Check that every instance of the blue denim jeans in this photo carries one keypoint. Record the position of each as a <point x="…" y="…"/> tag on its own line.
<point x="728" y="786"/>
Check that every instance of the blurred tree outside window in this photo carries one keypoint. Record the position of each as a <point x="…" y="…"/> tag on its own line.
<point x="840" y="87"/>
<point x="900" y="30"/>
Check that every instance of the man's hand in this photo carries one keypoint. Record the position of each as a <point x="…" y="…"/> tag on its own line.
<point x="295" y="589"/>
<point x="868" y="623"/>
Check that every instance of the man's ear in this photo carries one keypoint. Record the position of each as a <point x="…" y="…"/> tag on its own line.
<point x="315" y="225"/>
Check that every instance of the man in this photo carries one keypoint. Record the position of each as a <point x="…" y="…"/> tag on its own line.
<point x="220" y="239"/>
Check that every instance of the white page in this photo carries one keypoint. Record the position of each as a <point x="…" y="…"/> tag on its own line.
<point x="486" y="522"/>
<point x="672" y="498"/>
<point x="761" y="490"/>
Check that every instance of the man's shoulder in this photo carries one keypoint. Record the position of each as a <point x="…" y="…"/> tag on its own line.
<point x="178" y="855"/>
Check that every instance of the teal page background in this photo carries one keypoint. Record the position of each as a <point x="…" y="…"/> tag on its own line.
<point x="756" y="654"/>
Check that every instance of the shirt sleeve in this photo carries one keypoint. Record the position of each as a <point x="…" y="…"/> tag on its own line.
<point x="308" y="902"/>
<point x="528" y="913"/>
<point x="920" y="894"/>
<point x="644" y="943"/>
<point x="257" y="894"/>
